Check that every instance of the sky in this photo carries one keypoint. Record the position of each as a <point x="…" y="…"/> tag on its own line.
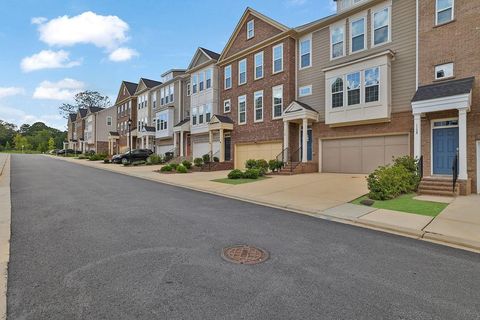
<point x="51" y="50"/>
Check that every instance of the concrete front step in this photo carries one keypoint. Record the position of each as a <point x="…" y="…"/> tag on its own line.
<point x="437" y="193"/>
<point x="435" y="187"/>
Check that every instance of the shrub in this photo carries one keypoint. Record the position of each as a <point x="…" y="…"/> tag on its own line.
<point x="166" y="168"/>
<point x="388" y="182"/>
<point x="181" y="169"/>
<point x="262" y="165"/>
<point x="82" y="156"/>
<point x="106" y="160"/>
<point x="235" y="174"/>
<point x="187" y="164"/>
<point x="206" y="158"/>
<point x="154" y="159"/>
<point x="97" y="157"/>
<point x="275" y="165"/>
<point x="198" y="162"/>
<point x="411" y="164"/>
<point x="250" y="164"/>
<point x="251" y="174"/>
<point x="216" y="159"/>
<point x="174" y="166"/>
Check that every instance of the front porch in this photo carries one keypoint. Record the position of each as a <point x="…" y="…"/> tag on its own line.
<point x="146" y="138"/>
<point x="223" y="126"/>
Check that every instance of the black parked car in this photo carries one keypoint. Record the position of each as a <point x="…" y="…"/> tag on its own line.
<point x="136" y="155"/>
<point x="68" y="151"/>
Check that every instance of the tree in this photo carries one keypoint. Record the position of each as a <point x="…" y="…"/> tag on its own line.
<point x="21" y="142"/>
<point x="84" y="99"/>
<point x="51" y="143"/>
<point x="7" y="146"/>
<point x="7" y="132"/>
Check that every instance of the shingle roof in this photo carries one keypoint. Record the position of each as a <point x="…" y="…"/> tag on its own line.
<point x="150" y="83"/>
<point x="444" y="89"/>
<point x="131" y="87"/>
<point x="73" y="117"/>
<point x="223" y="119"/>
<point x="211" y="54"/>
<point x="304" y="105"/>
<point x="95" y="109"/>
<point x="114" y="133"/>
<point x="182" y="122"/>
<point x="83" y="112"/>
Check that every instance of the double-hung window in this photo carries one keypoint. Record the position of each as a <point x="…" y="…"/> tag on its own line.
<point x="277" y="101"/>
<point x="228" y="77"/>
<point x="353" y="88"/>
<point x="200" y="81"/>
<point x="305" y="52"/>
<point x="167" y="94"/>
<point x="258" y="102"/>
<point x="162" y="96"/>
<point x="337" y="40"/>
<point x="194" y="116"/>
<point x="208" y="113"/>
<point x="154" y="100"/>
<point x="242" y="72"/>
<point x="250" y="29"/>
<point x="227" y="106"/>
<point x="381" y="26"/>
<point x="194" y="83"/>
<point x="277" y="58"/>
<point x="189" y="90"/>
<point x="208" y="78"/>
<point x="242" y="109"/>
<point x="337" y="92"/>
<point x="444" y="11"/>
<point x="357" y="35"/>
<point x="109" y="121"/>
<point x="372" y="84"/>
<point x="172" y="92"/>
<point x="200" y="114"/>
<point x="258" y="65"/>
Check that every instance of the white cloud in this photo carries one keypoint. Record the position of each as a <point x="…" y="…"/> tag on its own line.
<point x="48" y="59"/>
<point x="38" y="20"/>
<point x="295" y="3"/>
<point x="62" y="90"/>
<point x="87" y="28"/>
<point x="10" y="91"/>
<point x="19" y="117"/>
<point x="122" y="54"/>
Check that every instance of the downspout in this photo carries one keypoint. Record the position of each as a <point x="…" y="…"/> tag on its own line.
<point x="416" y="46"/>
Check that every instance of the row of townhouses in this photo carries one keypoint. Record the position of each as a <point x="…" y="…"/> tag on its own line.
<point x="343" y="94"/>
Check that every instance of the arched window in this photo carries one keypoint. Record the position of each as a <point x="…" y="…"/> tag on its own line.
<point x="337" y="93"/>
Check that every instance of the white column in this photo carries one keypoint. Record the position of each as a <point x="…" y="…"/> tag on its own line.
<point x="175" y="143"/>
<point x="210" y="138"/>
<point x="462" y="144"/>
<point x="417" y="136"/>
<point x="305" y="140"/>
<point x="222" y="147"/>
<point x="286" y="126"/>
<point x="181" y="143"/>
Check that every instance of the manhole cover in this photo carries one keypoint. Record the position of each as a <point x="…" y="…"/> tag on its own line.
<point x="244" y="254"/>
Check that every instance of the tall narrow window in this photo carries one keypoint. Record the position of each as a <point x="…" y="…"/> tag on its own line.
<point x="162" y="96"/>
<point x="305" y="53"/>
<point x="444" y="12"/>
<point x="381" y="26"/>
<point x="278" y="58"/>
<point x="337" y="41"/>
<point x="167" y="94"/>
<point x="194" y="83"/>
<point x="200" y="114"/>
<point x="259" y="65"/>
<point x="154" y="99"/>
<point x="277" y="103"/>
<point x="353" y="88"/>
<point x="208" y="112"/>
<point x="258" y="101"/>
<point x="337" y="93"/>
<point x="226" y="106"/>
<point x="208" y="78"/>
<point x="250" y="29"/>
<point x="228" y="77"/>
<point x="372" y="83"/>
<point x="189" y="90"/>
<point x="200" y="81"/>
<point x="242" y="109"/>
<point x="194" y="116"/>
<point x="357" y="31"/>
<point x="172" y="92"/>
<point x="242" y="71"/>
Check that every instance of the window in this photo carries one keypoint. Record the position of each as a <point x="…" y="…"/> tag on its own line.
<point x="305" y="91"/>
<point x="200" y="81"/>
<point x="381" y="29"/>
<point x="337" y="93"/>
<point x="337" y="34"/>
<point x="208" y="113"/>
<point x="167" y="94"/>
<point x="162" y="96"/>
<point x="188" y="90"/>
<point x="109" y="121"/>
<point x="305" y="56"/>
<point x="242" y="72"/>
<point x="444" y="12"/>
<point x="353" y="88"/>
<point x="258" y="65"/>
<point x="278" y="58"/>
<point x="228" y="77"/>
<point x="200" y="114"/>
<point x="226" y="106"/>
<point x="357" y="35"/>
<point x="372" y="83"/>
<point x="157" y="124"/>
<point x="154" y="100"/>
<point x="162" y="122"/>
<point x="194" y="116"/>
<point x="444" y="71"/>
<point x="250" y="29"/>
<point x="258" y="102"/>
<point x="172" y="91"/>
<point x="194" y="84"/>
<point x="277" y="101"/>
<point x="208" y="78"/>
<point x="242" y="109"/>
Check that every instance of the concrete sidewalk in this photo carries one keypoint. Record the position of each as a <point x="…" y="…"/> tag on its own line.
<point x="5" y="218"/>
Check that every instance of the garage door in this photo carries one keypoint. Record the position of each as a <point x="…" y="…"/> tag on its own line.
<point x="267" y="151"/>
<point x="201" y="145"/>
<point x="162" y="149"/>
<point x="362" y="155"/>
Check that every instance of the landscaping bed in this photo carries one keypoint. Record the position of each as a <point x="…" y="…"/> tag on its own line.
<point x="238" y="181"/>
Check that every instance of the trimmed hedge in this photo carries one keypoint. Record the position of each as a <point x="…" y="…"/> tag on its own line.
<point x="235" y="174"/>
<point x="251" y="174"/>
<point x="187" y="164"/>
<point x="198" y="162"/>
<point x="181" y="169"/>
<point x="167" y="168"/>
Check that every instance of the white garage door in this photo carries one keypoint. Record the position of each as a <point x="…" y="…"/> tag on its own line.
<point x="162" y="149"/>
<point x="266" y="151"/>
<point x="362" y="155"/>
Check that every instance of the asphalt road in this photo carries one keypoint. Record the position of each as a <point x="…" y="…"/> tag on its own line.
<point x="91" y="244"/>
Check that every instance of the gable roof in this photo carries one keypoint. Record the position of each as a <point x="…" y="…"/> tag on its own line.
<point x="182" y="122"/>
<point x="210" y="55"/>
<point x="444" y="89"/>
<point x="94" y="109"/>
<point x="82" y="112"/>
<point x="222" y="119"/>
<point x="243" y="19"/>
<point x="72" y="117"/>
<point x="131" y="87"/>
<point x="295" y="104"/>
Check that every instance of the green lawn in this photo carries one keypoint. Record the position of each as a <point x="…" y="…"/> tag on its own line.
<point x="238" y="181"/>
<point x="406" y="203"/>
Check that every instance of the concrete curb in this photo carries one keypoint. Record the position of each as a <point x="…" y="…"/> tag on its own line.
<point x="462" y="244"/>
<point x="5" y="231"/>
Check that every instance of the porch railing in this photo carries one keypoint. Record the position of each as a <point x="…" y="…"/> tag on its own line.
<point x="455" y="171"/>
<point x="295" y="159"/>
<point x="420" y="167"/>
<point x="283" y="157"/>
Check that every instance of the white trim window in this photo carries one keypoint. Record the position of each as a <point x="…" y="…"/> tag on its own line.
<point x="381" y="31"/>
<point x="242" y="109"/>
<point x="228" y="77"/>
<point x="154" y="100"/>
<point x="250" y="29"/>
<point x="162" y="96"/>
<point x="208" y="78"/>
<point x="258" y="59"/>
<point x="201" y="110"/>
<point x="337" y="41"/>
<point x="337" y="92"/>
<point x="201" y="83"/>
<point x="227" y="106"/>
<point x="305" y="49"/>
<point x="189" y="89"/>
<point x="277" y="101"/>
<point x="194" y="83"/>
<point x="353" y="89"/>
<point x="372" y="85"/>
<point x="167" y="94"/>
<point x="305" y="91"/>
<point x="242" y="72"/>
<point x="358" y="40"/>
<point x="258" y="103"/>
<point x="194" y="116"/>
<point x="172" y="92"/>
<point x="444" y="71"/>
<point x="444" y="11"/>
<point x="162" y="122"/>
<point x="109" y="121"/>
<point x="208" y="112"/>
<point x="277" y="57"/>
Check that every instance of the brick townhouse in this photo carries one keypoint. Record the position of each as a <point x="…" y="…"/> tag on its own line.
<point x="125" y="105"/>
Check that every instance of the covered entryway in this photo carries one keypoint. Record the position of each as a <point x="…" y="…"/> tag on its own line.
<point x="267" y="151"/>
<point x="445" y="146"/>
<point x="361" y="155"/>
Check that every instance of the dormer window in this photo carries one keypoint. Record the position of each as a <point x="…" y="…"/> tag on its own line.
<point x="250" y="29"/>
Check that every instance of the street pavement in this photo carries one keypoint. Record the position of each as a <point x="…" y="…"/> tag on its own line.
<point x="93" y="244"/>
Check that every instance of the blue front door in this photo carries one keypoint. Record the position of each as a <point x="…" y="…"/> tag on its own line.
<point x="309" y="144"/>
<point x="445" y="146"/>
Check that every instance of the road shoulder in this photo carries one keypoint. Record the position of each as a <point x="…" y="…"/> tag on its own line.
<point x="5" y="222"/>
